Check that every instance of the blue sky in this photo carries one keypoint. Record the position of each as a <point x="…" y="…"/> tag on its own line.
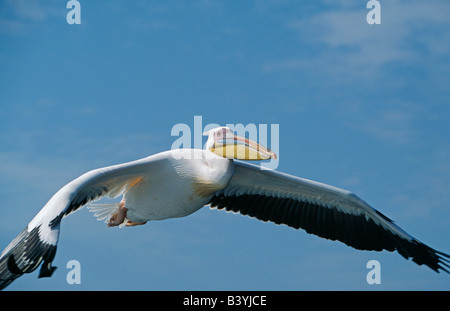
<point x="361" y="107"/>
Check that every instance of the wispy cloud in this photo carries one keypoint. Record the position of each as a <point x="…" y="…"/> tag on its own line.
<point x="20" y="17"/>
<point x="369" y="72"/>
<point x="346" y="43"/>
<point x="393" y="123"/>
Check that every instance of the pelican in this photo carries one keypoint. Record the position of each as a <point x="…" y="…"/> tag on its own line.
<point x="177" y="183"/>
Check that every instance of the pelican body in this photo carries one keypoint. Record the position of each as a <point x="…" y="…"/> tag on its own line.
<point x="177" y="183"/>
<point x="174" y="183"/>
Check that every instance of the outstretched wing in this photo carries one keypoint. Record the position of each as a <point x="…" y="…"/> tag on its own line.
<point x="320" y="209"/>
<point x="37" y="243"/>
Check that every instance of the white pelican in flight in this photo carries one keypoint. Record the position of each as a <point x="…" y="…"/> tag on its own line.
<point x="177" y="183"/>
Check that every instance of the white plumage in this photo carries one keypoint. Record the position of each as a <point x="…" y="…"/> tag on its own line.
<point x="177" y="183"/>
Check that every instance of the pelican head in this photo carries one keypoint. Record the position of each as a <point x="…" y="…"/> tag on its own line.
<point x="239" y="148"/>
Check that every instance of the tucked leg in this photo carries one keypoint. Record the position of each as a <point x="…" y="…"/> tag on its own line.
<point x="132" y="223"/>
<point x="119" y="217"/>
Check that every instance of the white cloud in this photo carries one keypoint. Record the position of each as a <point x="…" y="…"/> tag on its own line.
<point x="346" y="43"/>
<point x="19" y="17"/>
<point x="344" y="56"/>
<point x="28" y="9"/>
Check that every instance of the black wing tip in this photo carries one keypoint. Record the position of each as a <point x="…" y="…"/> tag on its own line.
<point x="371" y="236"/>
<point x="436" y="260"/>
<point x="47" y="270"/>
<point x="12" y="266"/>
<point x="25" y="255"/>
